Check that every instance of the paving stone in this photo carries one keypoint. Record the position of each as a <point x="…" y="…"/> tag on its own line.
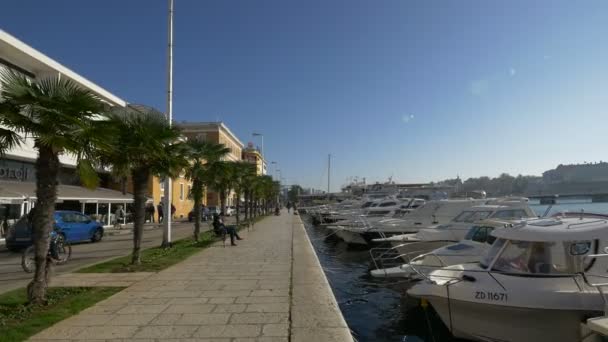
<point x="221" y="300"/>
<point x="281" y="330"/>
<point x="203" y="319"/>
<point x="230" y="308"/>
<point x="232" y="330"/>
<point x="320" y="334"/>
<point x="256" y="300"/>
<point x="259" y="318"/>
<point x="221" y="293"/>
<point x="166" y="319"/>
<point x="166" y="332"/>
<point x="268" y="307"/>
<point x="190" y="308"/>
<point x="107" y="332"/>
<point x="136" y="309"/>
<point x="198" y="300"/>
<point x="131" y="319"/>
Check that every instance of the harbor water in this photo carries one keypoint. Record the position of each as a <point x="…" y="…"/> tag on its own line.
<point x="379" y="309"/>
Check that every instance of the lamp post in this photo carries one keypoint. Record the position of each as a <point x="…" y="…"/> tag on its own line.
<point x="275" y="169"/>
<point x="168" y="193"/>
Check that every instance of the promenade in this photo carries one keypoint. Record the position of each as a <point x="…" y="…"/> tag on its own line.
<point x="269" y="288"/>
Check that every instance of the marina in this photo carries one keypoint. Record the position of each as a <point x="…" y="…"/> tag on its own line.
<point x="385" y="304"/>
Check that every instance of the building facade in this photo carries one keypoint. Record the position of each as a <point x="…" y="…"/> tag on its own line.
<point x="254" y="156"/>
<point x="219" y="133"/>
<point x="17" y="172"/>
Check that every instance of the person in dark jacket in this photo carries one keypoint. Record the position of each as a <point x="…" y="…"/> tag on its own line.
<point x="219" y="228"/>
<point x="161" y="213"/>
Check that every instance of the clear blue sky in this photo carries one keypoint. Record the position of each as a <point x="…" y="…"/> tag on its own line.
<point x="420" y="90"/>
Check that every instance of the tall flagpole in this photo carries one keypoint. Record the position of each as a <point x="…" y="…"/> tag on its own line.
<point x="168" y="185"/>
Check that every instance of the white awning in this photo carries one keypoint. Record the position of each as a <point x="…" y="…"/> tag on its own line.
<point x="21" y="191"/>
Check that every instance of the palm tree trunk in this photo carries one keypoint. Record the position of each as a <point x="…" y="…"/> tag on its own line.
<point x="197" y="193"/>
<point x="47" y="169"/>
<point x="246" y="205"/>
<point x="238" y="206"/>
<point x="222" y="194"/>
<point x="140" y="188"/>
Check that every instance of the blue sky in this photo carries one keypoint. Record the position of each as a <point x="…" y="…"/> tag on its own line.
<point x="417" y="90"/>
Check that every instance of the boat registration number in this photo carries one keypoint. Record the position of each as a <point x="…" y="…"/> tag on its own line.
<point x="492" y="296"/>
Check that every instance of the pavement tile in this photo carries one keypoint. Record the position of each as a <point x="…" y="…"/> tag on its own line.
<point x="259" y="318"/>
<point x="221" y="300"/>
<point x="268" y="307"/>
<point x="198" y="300"/>
<point x="58" y="332"/>
<point x="320" y="334"/>
<point x="232" y="330"/>
<point x="203" y="319"/>
<point x="166" y="332"/>
<point x="270" y="293"/>
<point x="131" y="319"/>
<point x="230" y="308"/>
<point x="260" y="300"/>
<point x="138" y="308"/>
<point x="280" y="330"/>
<point x="190" y="308"/>
<point x="107" y="333"/>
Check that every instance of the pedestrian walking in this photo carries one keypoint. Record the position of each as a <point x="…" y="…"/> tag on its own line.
<point x="119" y="215"/>
<point x="161" y="213"/>
<point x="288" y="206"/>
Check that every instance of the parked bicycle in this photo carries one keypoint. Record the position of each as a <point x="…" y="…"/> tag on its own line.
<point x="59" y="252"/>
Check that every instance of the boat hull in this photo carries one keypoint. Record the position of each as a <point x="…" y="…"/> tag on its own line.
<point x="482" y="322"/>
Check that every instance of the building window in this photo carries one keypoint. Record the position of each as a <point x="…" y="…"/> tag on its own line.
<point x="181" y="191"/>
<point x="189" y="191"/>
<point x="162" y="184"/>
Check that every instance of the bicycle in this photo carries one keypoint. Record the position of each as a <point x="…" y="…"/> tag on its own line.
<point x="58" y="242"/>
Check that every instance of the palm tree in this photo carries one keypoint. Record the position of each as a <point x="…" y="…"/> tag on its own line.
<point x="203" y="155"/>
<point x="58" y="115"/>
<point x="221" y="180"/>
<point x="242" y="173"/>
<point x="143" y="145"/>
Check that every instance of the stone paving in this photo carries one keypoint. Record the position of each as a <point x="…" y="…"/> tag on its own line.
<point x="99" y="279"/>
<point x="236" y="294"/>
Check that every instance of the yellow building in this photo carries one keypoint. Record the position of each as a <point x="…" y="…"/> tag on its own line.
<point x="253" y="155"/>
<point x="219" y="133"/>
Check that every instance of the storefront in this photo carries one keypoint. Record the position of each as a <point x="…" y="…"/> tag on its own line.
<point x="18" y="198"/>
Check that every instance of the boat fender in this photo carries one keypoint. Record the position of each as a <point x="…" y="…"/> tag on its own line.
<point x="466" y="277"/>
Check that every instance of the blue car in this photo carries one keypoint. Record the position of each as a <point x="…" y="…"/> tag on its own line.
<point x="73" y="225"/>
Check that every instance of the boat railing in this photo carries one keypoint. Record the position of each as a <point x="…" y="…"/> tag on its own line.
<point x="385" y="257"/>
<point x="599" y="285"/>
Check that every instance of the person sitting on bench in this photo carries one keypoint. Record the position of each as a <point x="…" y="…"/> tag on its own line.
<point x="219" y="228"/>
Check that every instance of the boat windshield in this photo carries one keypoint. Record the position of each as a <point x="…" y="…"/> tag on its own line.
<point x="472" y="216"/>
<point x="481" y="234"/>
<point x="492" y="253"/>
<point x="532" y="257"/>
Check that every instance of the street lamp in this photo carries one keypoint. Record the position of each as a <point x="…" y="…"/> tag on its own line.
<point x="275" y="168"/>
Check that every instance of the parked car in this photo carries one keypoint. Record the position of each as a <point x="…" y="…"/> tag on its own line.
<point x="214" y="210"/>
<point x="191" y="216"/>
<point x="73" y="225"/>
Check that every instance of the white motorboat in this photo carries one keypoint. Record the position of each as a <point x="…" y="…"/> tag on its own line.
<point x="474" y="245"/>
<point x="536" y="283"/>
<point x="431" y="213"/>
<point x="456" y="230"/>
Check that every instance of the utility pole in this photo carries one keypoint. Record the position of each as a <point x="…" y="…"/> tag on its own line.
<point x="168" y="186"/>
<point x="328" y="172"/>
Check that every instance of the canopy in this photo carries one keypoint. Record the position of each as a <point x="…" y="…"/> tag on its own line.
<point x="19" y="191"/>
